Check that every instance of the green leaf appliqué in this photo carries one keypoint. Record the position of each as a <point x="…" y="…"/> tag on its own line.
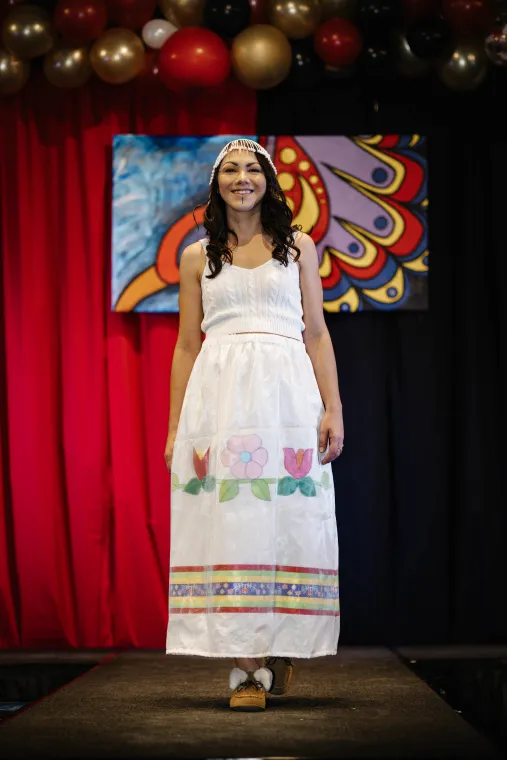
<point x="287" y="486"/>
<point x="260" y="488"/>
<point x="193" y="486"/>
<point x="209" y="483"/>
<point x="307" y="486"/>
<point x="228" y="490"/>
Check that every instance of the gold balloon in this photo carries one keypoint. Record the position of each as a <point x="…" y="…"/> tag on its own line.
<point x="337" y="9"/>
<point x="67" y="66"/>
<point x="466" y="68"/>
<point x="261" y="56"/>
<point x="13" y="73"/>
<point x="28" y="31"/>
<point x="117" y="56"/>
<point x="295" y="18"/>
<point x="183" y="12"/>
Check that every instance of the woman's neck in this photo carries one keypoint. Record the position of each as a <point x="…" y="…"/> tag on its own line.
<point x="246" y="226"/>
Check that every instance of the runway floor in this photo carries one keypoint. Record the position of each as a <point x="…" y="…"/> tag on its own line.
<point x="363" y="702"/>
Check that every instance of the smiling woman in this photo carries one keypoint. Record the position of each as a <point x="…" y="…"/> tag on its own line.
<point x="243" y="182"/>
<point x="254" y="545"/>
<point x="241" y="179"/>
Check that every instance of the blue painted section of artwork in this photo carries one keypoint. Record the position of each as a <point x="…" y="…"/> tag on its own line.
<point x="156" y="181"/>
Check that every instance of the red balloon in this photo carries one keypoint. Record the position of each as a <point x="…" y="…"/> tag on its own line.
<point x="468" y="15"/>
<point x="338" y="42"/>
<point x="80" y="21"/>
<point x="193" y="57"/>
<point x="259" y="9"/>
<point x="131" y="14"/>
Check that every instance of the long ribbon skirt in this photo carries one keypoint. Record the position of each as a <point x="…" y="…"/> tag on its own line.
<point x="254" y="544"/>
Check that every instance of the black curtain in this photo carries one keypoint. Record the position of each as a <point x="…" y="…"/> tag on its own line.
<point x="420" y="502"/>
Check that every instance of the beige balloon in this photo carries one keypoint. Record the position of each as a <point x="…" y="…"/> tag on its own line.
<point x="157" y="31"/>
<point x="117" y="56"/>
<point x="183" y="12"/>
<point x="337" y="9"/>
<point x="28" y="31"/>
<point x="261" y="56"/>
<point x="466" y="68"/>
<point x="67" y="66"/>
<point x="295" y="18"/>
<point x="14" y="72"/>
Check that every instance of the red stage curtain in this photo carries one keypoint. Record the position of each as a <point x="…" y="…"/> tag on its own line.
<point x="84" y="393"/>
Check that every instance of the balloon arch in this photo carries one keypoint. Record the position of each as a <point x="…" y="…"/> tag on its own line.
<point x="188" y="44"/>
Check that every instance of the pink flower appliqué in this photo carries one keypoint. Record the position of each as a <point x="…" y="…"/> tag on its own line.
<point x="245" y="456"/>
<point x="298" y="463"/>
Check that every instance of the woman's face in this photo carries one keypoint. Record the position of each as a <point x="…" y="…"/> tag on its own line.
<point x="241" y="180"/>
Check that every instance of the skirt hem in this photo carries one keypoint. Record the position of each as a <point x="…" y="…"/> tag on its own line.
<point x="295" y="655"/>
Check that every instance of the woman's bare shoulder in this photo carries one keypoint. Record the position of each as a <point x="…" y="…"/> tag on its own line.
<point x="302" y="241"/>
<point x="193" y="261"/>
<point x="302" y="238"/>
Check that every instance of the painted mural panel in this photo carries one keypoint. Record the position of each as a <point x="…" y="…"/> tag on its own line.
<point x="363" y="199"/>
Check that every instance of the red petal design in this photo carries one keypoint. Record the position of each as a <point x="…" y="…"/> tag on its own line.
<point x="201" y="466"/>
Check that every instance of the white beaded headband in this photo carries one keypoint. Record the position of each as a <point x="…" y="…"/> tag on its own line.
<point x="241" y="144"/>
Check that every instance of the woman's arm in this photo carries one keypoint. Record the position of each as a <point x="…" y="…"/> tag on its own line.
<point x="189" y="341"/>
<point x="320" y="348"/>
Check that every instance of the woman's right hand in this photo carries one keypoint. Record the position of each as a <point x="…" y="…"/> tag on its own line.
<point x="168" y="453"/>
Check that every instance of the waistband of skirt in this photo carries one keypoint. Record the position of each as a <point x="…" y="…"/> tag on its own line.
<point x="282" y="340"/>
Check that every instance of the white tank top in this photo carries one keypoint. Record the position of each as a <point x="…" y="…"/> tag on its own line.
<point x="264" y="299"/>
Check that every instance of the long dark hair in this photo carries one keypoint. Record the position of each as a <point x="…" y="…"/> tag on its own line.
<point x="276" y="219"/>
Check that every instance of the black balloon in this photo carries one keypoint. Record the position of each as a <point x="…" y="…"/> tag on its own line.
<point x="500" y="13"/>
<point x="376" y="17"/>
<point x="307" y="69"/>
<point x="429" y="38"/>
<point x="227" y="17"/>
<point x="376" y="57"/>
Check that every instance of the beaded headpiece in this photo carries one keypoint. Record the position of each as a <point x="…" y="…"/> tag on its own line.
<point x="241" y="144"/>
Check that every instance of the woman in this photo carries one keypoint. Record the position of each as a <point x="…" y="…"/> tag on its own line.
<point x="255" y="422"/>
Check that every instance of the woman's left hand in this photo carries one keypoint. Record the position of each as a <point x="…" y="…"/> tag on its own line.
<point x="332" y="434"/>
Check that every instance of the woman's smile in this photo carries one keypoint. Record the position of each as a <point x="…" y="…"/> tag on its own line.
<point x="241" y="178"/>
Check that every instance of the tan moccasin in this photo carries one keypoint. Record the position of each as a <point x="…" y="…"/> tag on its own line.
<point x="282" y="670"/>
<point x="249" y="689"/>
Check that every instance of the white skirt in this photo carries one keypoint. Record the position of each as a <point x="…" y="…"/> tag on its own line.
<point x="254" y="544"/>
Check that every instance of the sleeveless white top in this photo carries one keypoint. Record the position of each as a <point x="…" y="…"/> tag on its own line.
<point x="264" y="299"/>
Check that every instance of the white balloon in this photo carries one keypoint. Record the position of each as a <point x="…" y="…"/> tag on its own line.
<point x="157" y="31"/>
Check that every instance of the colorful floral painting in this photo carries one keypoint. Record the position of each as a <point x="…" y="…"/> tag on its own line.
<point x="245" y="456"/>
<point x="363" y="199"/>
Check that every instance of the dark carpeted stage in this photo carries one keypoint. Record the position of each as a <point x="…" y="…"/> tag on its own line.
<point x="364" y="702"/>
